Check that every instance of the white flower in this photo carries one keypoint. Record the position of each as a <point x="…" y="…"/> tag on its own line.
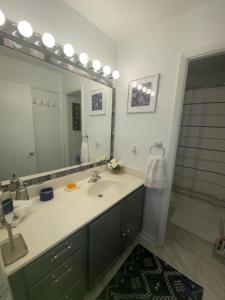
<point x="114" y="164"/>
<point x="109" y="165"/>
<point x="120" y="163"/>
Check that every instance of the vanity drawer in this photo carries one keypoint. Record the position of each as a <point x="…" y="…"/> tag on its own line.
<point x="78" y="291"/>
<point x="56" y="284"/>
<point x="47" y="262"/>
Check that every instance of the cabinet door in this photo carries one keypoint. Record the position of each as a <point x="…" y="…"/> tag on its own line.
<point x="104" y="242"/>
<point x="18" y="286"/>
<point x="132" y="216"/>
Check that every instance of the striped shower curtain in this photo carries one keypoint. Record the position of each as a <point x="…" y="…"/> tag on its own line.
<point x="200" y="160"/>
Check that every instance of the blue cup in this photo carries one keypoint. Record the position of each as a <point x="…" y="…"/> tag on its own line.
<point x="46" y="194"/>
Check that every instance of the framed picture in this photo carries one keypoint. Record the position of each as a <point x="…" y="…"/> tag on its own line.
<point x="97" y="102"/>
<point x="76" y="116"/>
<point x="142" y="94"/>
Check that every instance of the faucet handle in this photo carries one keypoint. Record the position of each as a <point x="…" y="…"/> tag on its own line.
<point x="14" y="183"/>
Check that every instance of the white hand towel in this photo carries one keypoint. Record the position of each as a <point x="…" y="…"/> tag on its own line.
<point x="155" y="176"/>
<point x="5" y="291"/>
<point x="22" y="208"/>
<point x="84" y="152"/>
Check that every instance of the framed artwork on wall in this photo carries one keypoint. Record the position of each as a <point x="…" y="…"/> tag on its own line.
<point x="97" y="102"/>
<point x="142" y="95"/>
<point x="76" y="118"/>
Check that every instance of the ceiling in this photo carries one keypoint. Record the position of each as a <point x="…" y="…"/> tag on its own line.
<point x="120" y="19"/>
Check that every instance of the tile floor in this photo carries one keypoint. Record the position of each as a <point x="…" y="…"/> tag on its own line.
<point x="187" y="253"/>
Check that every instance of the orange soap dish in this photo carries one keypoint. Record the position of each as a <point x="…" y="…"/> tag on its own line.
<point x="71" y="187"/>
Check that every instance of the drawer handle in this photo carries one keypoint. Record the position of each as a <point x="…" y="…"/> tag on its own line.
<point x="56" y="256"/>
<point x="56" y="280"/>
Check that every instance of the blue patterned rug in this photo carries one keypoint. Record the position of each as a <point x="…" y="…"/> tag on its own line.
<point x="144" y="276"/>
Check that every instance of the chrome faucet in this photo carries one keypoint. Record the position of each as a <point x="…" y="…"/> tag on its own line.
<point x="95" y="176"/>
<point x="19" y="186"/>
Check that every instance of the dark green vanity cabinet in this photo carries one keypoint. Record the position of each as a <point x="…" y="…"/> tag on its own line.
<point x="132" y="212"/>
<point x="59" y="274"/>
<point x="104" y="242"/>
<point x="110" y="234"/>
<point x="65" y="271"/>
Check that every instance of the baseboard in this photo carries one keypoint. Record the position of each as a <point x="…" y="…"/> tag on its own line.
<point x="143" y="235"/>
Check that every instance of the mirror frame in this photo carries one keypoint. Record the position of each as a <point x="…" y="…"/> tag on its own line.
<point x="10" y="38"/>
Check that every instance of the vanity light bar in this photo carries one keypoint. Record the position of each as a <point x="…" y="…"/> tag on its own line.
<point x="23" y="30"/>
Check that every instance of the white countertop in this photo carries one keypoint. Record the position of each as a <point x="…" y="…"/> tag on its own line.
<point x="51" y="222"/>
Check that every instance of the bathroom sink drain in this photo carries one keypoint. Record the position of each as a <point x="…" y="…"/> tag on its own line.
<point x="100" y="195"/>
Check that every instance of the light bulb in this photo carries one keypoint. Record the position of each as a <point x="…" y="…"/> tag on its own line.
<point x="68" y="50"/>
<point x="96" y="65"/>
<point x="106" y="70"/>
<point x="48" y="40"/>
<point x="116" y="75"/>
<point x="134" y="84"/>
<point x="84" y="59"/>
<point x="148" y="91"/>
<point x="25" y="29"/>
<point x="139" y="87"/>
<point x="2" y="18"/>
<point x="144" y="89"/>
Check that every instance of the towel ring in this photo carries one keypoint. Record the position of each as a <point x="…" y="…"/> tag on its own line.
<point x="158" y="145"/>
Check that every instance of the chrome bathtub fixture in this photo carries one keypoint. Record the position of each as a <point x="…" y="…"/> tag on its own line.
<point x="22" y="38"/>
<point x="95" y="176"/>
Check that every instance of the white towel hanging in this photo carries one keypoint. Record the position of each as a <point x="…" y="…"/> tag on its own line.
<point x="155" y="176"/>
<point x="84" y="152"/>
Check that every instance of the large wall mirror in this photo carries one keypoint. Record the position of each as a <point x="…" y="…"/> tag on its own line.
<point x="47" y="115"/>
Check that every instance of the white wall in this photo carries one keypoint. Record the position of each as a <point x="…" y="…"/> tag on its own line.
<point x="65" y="24"/>
<point x="30" y="132"/>
<point x="157" y="50"/>
<point x="16" y="130"/>
<point x="30" y="74"/>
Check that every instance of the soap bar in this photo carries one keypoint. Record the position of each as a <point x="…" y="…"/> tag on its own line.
<point x="71" y="187"/>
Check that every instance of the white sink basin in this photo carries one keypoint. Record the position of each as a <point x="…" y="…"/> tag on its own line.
<point x="105" y="188"/>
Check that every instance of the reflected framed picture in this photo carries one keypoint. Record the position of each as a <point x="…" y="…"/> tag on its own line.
<point x="97" y="102"/>
<point x="142" y="95"/>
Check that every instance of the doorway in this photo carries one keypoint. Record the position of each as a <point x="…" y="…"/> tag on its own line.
<point x="75" y="130"/>
<point x="198" y="194"/>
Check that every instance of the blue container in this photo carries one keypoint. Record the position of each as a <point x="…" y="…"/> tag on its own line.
<point x="46" y="194"/>
<point x="7" y="206"/>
